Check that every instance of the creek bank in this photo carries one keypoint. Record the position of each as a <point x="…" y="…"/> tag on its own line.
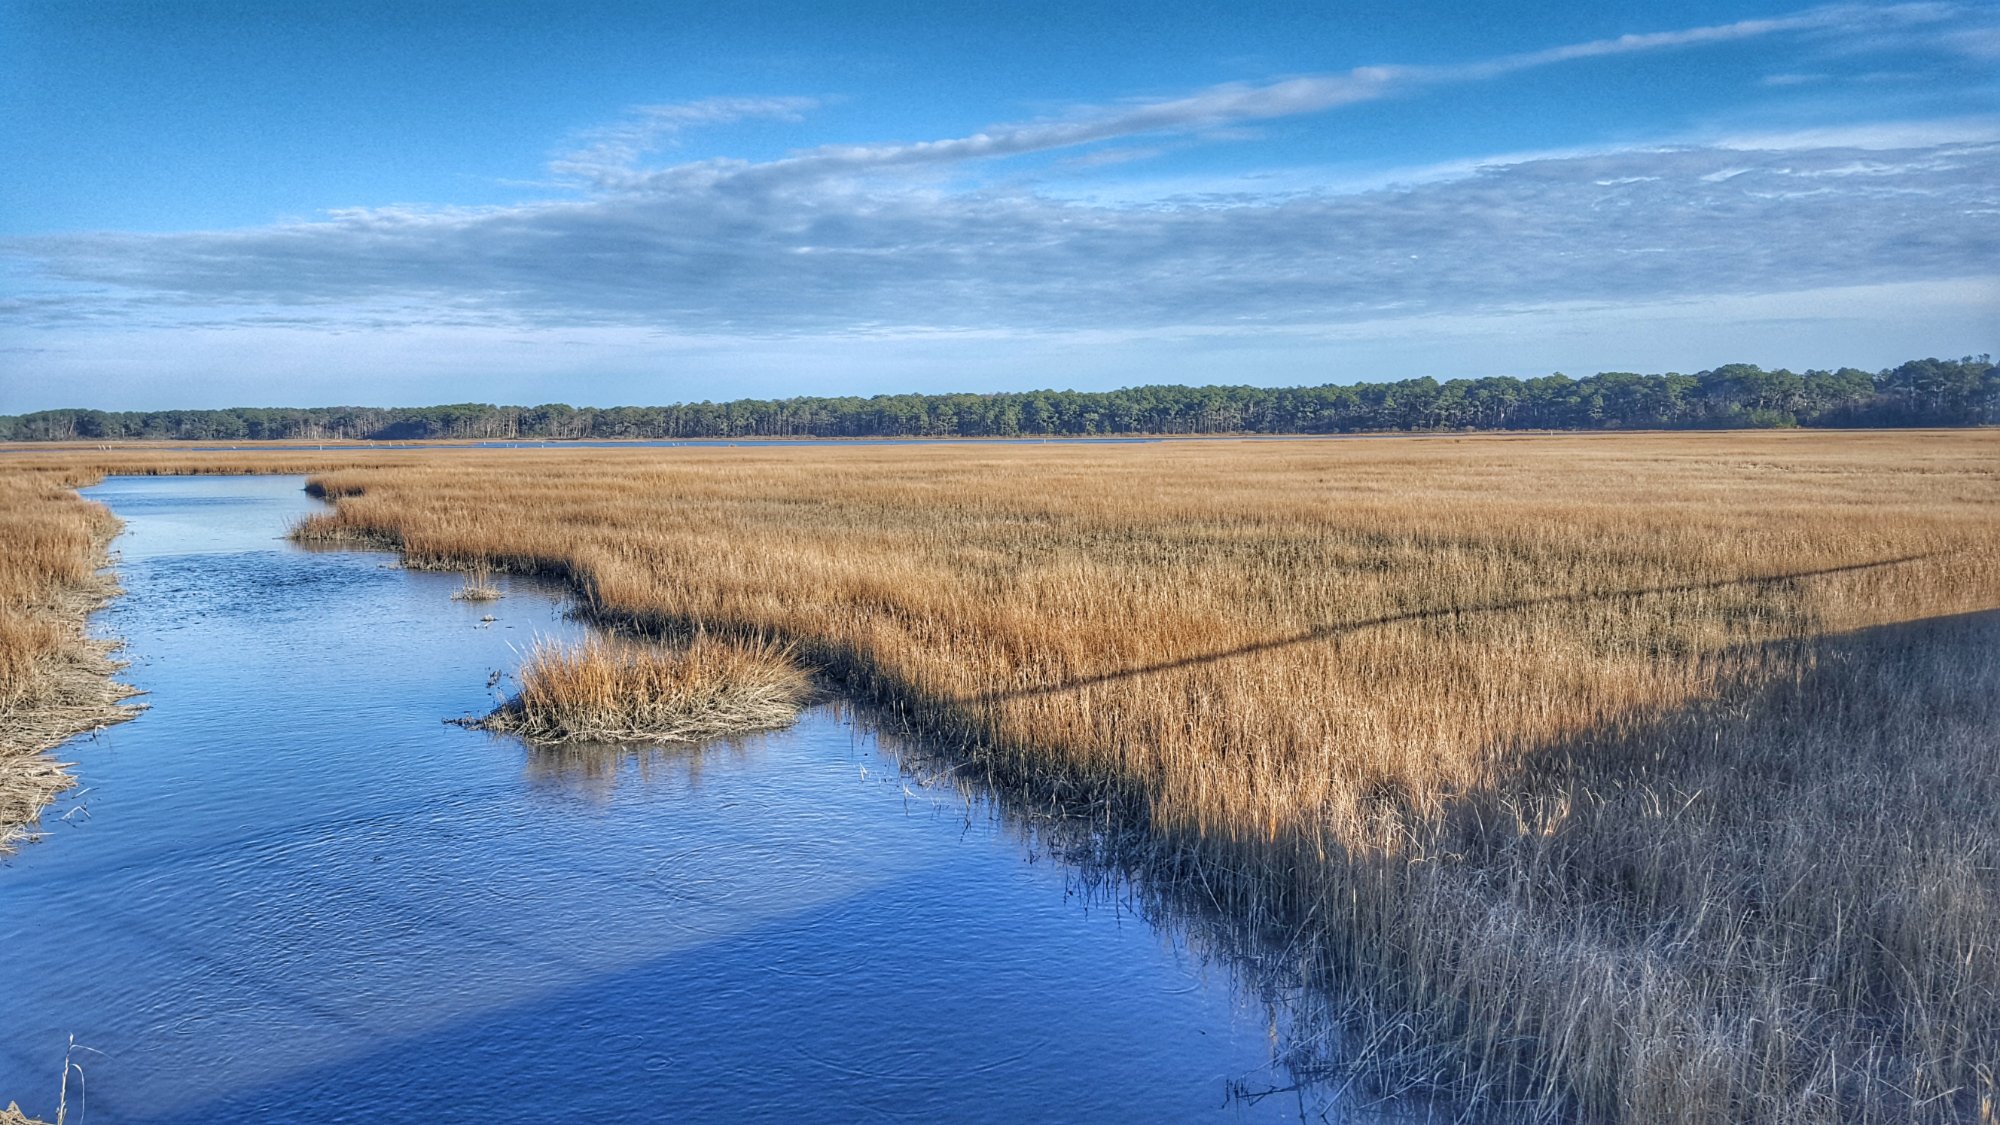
<point x="70" y="691"/>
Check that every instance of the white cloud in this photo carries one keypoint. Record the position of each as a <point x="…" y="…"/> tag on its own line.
<point x="606" y="156"/>
<point x="1873" y="135"/>
<point x="1218" y="107"/>
<point x="1832" y="17"/>
<point x="817" y="257"/>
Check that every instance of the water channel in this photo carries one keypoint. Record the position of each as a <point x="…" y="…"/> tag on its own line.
<point x="289" y="892"/>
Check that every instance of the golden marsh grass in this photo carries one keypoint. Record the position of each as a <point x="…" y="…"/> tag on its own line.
<point x="1630" y="777"/>
<point x="54" y="679"/>
<point x="623" y="690"/>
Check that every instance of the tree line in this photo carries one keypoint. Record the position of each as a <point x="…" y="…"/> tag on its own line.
<point x="1923" y="392"/>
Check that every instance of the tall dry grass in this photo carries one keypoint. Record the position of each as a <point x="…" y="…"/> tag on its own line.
<point x="1627" y="777"/>
<point x="54" y="679"/>
<point x="622" y="690"/>
<point x="478" y="587"/>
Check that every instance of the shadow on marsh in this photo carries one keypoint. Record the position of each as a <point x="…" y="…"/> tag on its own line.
<point x="1793" y="875"/>
<point x="1511" y="605"/>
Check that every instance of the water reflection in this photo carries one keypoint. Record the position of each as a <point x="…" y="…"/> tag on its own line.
<point x="594" y="773"/>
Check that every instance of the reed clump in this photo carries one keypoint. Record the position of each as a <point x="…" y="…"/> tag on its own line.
<point x="625" y="690"/>
<point x="478" y="587"/>
<point x="1626" y="777"/>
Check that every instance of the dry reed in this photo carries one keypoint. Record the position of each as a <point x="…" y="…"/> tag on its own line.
<point x="478" y="587"/>
<point x="631" y="691"/>
<point x="1637" y="778"/>
<point x="54" y="678"/>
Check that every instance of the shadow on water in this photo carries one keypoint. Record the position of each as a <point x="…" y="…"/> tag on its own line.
<point x="549" y="1039"/>
<point x="1100" y="875"/>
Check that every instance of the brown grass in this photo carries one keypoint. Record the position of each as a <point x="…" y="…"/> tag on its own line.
<point x="632" y="691"/>
<point x="1642" y="778"/>
<point x="478" y="587"/>
<point x="54" y="679"/>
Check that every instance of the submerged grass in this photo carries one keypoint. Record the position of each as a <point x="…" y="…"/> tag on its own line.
<point x="1623" y="778"/>
<point x="624" y="690"/>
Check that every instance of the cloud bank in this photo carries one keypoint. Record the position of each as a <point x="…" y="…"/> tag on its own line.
<point x="814" y="257"/>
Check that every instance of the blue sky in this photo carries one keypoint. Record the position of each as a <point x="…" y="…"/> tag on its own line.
<point x="211" y="204"/>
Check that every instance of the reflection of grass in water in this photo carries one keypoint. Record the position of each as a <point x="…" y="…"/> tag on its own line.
<point x="1500" y="725"/>
<point x="631" y="691"/>
<point x="594" y="771"/>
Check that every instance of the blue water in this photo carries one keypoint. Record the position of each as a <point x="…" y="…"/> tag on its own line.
<point x="288" y="892"/>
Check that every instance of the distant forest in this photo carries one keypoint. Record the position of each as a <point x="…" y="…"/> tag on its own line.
<point x="1924" y="392"/>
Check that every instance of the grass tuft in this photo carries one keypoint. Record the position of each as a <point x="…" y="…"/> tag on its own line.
<point x="631" y="691"/>
<point x="478" y="587"/>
